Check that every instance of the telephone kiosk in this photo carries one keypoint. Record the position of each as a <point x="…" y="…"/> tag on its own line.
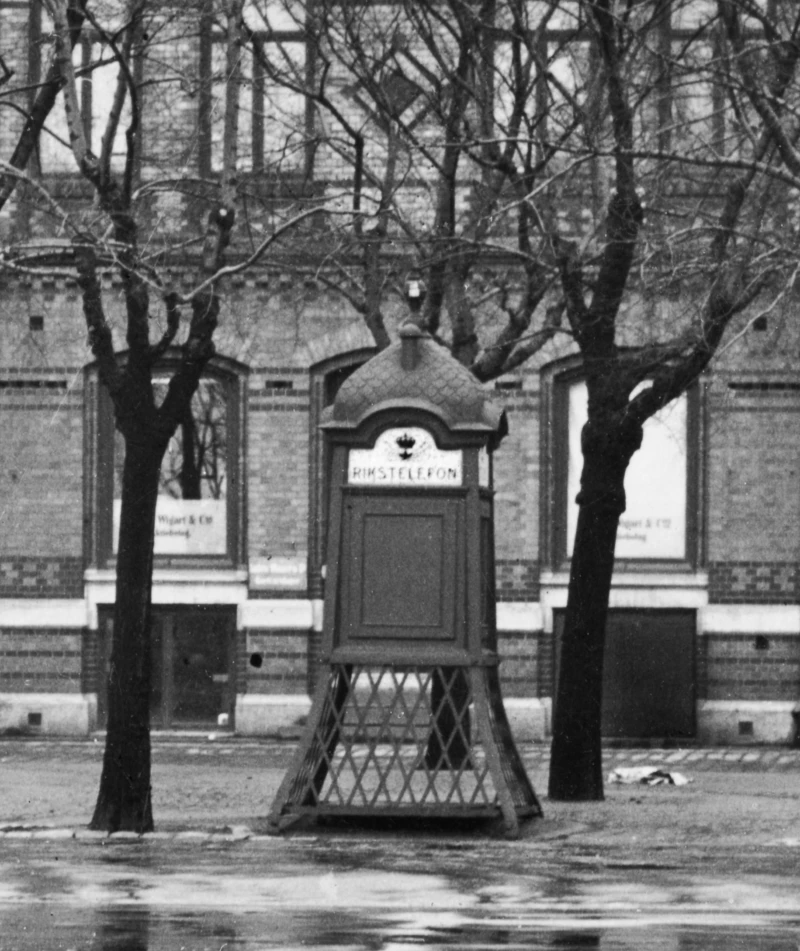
<point x="407" y="719"/>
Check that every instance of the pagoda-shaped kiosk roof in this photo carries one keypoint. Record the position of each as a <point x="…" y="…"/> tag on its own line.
<point x="415" y="373"/>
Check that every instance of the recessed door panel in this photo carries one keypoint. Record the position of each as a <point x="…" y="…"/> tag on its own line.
<point x="199" y="669"/>
<point x="402" y="554"/>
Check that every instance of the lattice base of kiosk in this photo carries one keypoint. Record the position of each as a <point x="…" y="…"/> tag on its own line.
<point x="407" y="741"/>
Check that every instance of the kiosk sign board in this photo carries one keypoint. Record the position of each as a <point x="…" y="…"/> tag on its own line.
<point x="405" y="456"/>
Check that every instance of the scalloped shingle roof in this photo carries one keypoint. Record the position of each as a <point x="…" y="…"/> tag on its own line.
<point x="416" y="372"/>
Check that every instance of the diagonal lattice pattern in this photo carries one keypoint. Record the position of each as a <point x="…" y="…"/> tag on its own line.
<point x="399" y="737"/>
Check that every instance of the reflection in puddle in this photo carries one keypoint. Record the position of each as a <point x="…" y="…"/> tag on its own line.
<point x="125" y="928"/>
<point x="122" y="929"/>
<point x="201" y="902"/>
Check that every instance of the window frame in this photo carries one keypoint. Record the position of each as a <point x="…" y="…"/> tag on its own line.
<point x="209" y="36"/>
<point x="554" y="437"/>
<point x="99" y="467"/>
<point x="89" y="39"/>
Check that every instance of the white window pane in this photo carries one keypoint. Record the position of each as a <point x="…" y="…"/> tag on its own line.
<point x="284" y="126"/>
<point x="273" y="15"/>
<point x="55" y="153"/>
<point x="191" y="512"/>
<point x="693" y="99"/>
<point x="219" y="81"/>
<point x="272" y="106"/>
<point x="654" y="522"/>
<point x="693" y="14"/>
<point x="570" y="66"/>
<point x="565" y="16"/>
<point x="111" y="15"/>
<point x="104" y="86"/>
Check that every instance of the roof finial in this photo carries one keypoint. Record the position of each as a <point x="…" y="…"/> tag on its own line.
<point x="410" y="353"/>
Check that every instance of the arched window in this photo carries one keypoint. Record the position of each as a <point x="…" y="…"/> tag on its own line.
<point x="660" y="528"/>
<point x="199" y="514"/>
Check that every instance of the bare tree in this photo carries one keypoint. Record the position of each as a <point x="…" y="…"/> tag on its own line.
<point x="544" y="167"/>
<point x="142" y="44"/>
<point x="124" y="800"/>
<point x="547" y="166"/>
<point x="726" y="260"/>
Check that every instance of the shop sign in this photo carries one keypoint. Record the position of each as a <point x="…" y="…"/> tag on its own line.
<point x="272" y="572"/>
<point x="405" y="456"/>
<point x="186" y="526"/>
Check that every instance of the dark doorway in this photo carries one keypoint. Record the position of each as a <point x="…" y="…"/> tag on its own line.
<point x="192" y="652"/>
<point x="649" y="685"/>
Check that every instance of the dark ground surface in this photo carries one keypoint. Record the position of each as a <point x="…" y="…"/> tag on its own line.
<point x="381" y="893"/>
<point x="747" y="797"/>
<point x="714" y="864"/>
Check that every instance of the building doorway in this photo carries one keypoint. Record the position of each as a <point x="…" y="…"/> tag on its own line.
<point x="649" y="683"/>
<point x="193" y="672"/>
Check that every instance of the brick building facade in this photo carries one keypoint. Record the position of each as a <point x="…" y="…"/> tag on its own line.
<point x="735" y="608"/>
<point x="704" y="631"/>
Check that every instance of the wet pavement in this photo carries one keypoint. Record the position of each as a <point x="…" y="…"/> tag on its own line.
<point x="712" y="865"/>
<point x="365" y="892"/>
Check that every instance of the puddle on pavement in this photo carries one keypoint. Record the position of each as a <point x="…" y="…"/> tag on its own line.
<point x="144" y="929"/>
<point x="244" y="905"/>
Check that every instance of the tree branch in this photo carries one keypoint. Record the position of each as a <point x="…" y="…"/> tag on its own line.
<point x="43" y="104"/>
<point x="100" y="338"/>
<point x="624" y="211"/>
<point x="173" y="324"/>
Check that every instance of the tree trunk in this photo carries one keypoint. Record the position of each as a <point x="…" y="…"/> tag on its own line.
<point x="576" y="763"/>
<point x="123" y="802"/>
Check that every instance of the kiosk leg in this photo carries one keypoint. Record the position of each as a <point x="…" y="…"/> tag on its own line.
<point x="304" y="780"/>
<point x="515" y="795"/>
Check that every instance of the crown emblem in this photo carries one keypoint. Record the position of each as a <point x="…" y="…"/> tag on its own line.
<point x="406" y="444"/>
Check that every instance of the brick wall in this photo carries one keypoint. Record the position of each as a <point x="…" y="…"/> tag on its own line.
<point x="517" y="580"/>
<point x="91" y="675"/>
<point x="521" y="654"/>
<point x="516" y="483"/>
<point x="753" y="485"/>
<point x="752" y="582"/>
<point x="25" y="577"/>
<point x="34" y="660"/>
<point x="740" y="667"/>
<point x="277" y="473"/>
<point x="41" y="481"/>
<point x="753" y="492"/>
<point x="283" y="658"/>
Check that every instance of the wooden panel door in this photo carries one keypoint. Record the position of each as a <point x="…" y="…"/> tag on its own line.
<point x="192" y="657"/>
<point x="199" y="665"/>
